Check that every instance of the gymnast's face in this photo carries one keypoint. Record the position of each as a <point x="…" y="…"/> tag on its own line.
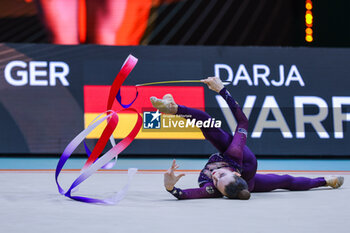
<point x="222" y="177"/>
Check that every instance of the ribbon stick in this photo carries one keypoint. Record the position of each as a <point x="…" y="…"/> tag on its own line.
<point x="163" y="82"/>
<point x="94" y="162"/>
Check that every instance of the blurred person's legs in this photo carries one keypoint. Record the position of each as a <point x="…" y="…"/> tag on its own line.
<point x="60" y="18"/>
<point x="104" y="17"/>
<point x="109" y="22"/>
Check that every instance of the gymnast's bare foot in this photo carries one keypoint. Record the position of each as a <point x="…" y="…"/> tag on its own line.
<point x="335" y="182"/>
<point x="165" y="105"/>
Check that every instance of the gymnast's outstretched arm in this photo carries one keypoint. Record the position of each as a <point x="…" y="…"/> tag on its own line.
<point x="170" y="179"/>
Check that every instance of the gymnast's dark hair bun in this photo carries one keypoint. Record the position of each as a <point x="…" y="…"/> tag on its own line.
<point x="237" y="189"/>
<point x="244" y="194"/>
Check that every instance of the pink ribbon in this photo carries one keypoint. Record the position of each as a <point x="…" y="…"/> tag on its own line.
<point x="94" y="162"/>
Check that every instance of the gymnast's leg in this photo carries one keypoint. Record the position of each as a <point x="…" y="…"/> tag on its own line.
<point x="104" y="18"/>
<point x="218" y="137"/>
<point x="221" y="140"/>
<point x="269" y="182"/>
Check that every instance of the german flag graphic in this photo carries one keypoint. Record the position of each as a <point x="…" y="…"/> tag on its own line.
<point x="95" y="102"/>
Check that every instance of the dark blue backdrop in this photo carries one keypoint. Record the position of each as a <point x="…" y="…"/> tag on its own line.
<point x="301" y="89"/>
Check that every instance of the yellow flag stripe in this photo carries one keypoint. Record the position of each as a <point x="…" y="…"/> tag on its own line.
<point x="127" y="121"/>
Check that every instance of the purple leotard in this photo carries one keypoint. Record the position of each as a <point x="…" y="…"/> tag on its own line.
<point x="226" y="161"/>
<point x="234" y="153"/>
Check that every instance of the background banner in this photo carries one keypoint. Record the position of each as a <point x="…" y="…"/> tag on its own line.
<point x="296" y="104"/>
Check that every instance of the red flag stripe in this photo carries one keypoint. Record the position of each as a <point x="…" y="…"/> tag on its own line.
<point x="95" y="97"/>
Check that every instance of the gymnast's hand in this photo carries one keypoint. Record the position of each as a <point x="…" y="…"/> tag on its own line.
<point x="214" y="83"/>
<point x="170" y="179"/>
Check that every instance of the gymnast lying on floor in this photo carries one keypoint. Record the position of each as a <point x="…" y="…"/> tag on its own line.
<point x="232" y="171"/>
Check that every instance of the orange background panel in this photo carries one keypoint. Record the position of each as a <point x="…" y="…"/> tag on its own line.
<point x="134" y="23"/>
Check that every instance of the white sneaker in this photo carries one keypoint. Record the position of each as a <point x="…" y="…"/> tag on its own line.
<point x="335" y="181"/>
<point x="165" y="105"/>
